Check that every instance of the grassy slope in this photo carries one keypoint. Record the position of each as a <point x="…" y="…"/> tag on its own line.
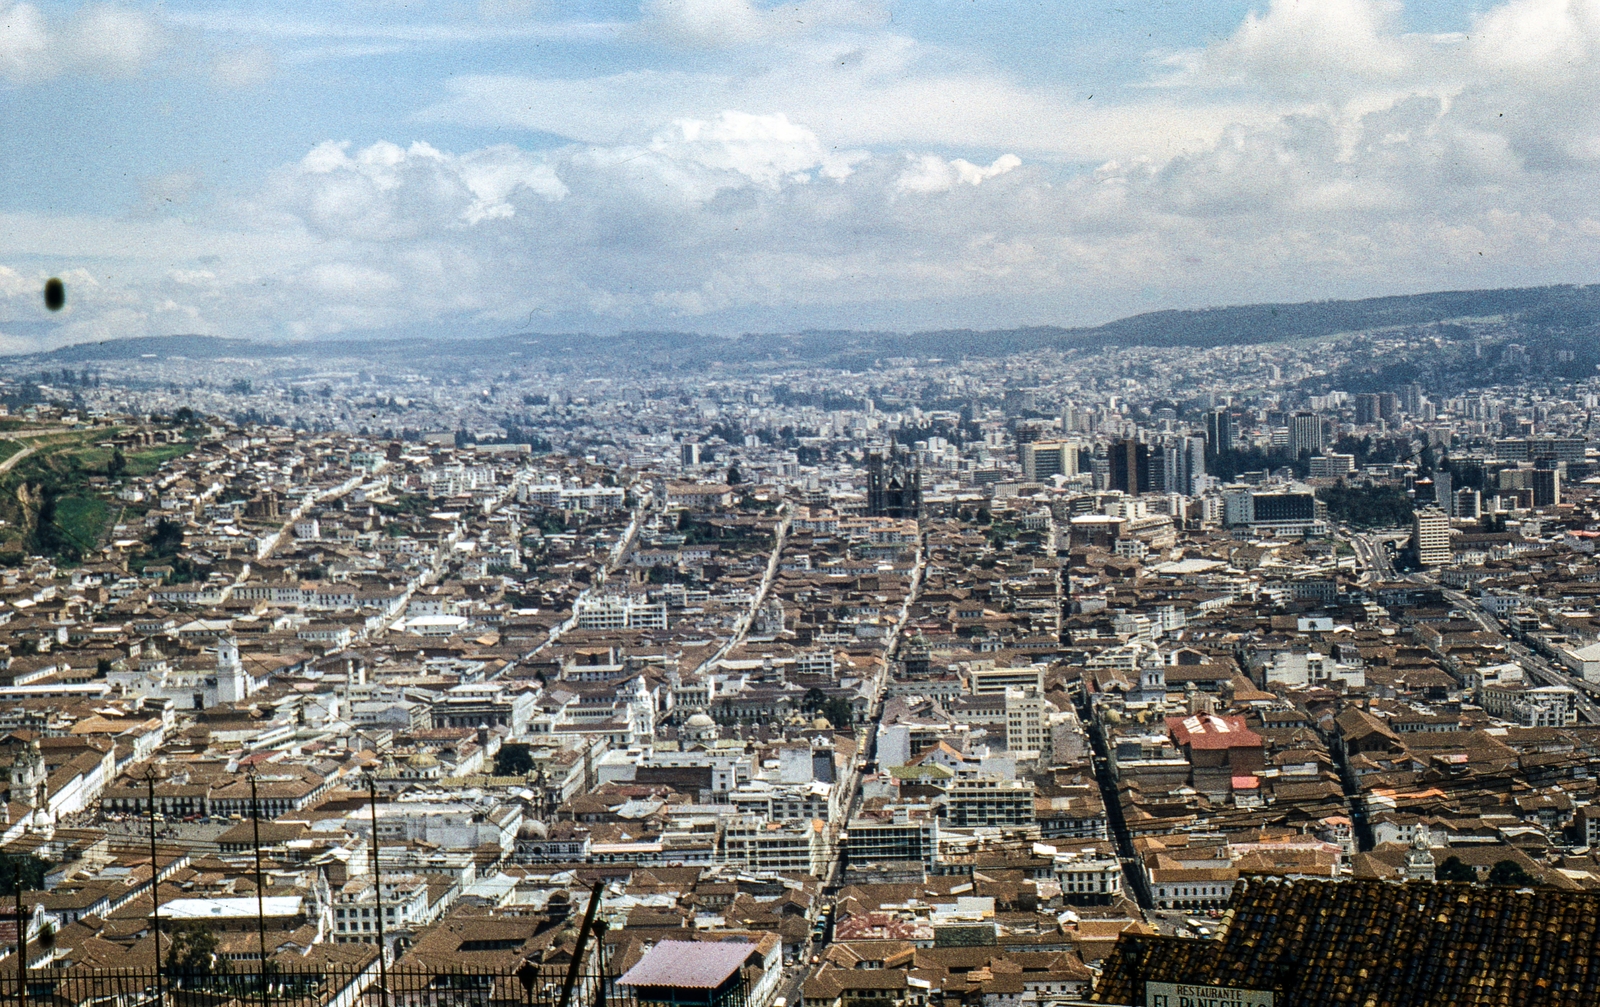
<point x="66" y="462"/>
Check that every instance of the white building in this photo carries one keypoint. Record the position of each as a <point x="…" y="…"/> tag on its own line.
<point x="1028" y="722"/>
<point x="1430" y="529"/>
<point x="621" y="612"/>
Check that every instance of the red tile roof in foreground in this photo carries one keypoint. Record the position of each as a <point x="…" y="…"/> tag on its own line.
<point x="1381" y="944"/>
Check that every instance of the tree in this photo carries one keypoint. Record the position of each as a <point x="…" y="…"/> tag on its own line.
<point x="117" y="465"/>
<point x="513" y="760"/>
<point x="167" y="538"/>
<point x="1509" y="872"/>
<point x="194" y="951"/>
<point x="813" y="700"/>
<point x="839" y="712"/>
<point x="734" y="476"/>
<point x="1454" y="870"/>
<point x="1367" y="506"/>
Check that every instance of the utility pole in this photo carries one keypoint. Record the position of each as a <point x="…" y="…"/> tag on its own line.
<point x="261" y="905"/>
<point x="377" y="889"/>
<point x="155" y="876"/>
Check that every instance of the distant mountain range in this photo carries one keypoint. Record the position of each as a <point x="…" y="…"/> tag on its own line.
<point x="1549" y="311"/>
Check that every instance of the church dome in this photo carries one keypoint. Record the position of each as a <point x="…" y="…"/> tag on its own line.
<point x="699" y="722"/>
<point x="422" y="760"/>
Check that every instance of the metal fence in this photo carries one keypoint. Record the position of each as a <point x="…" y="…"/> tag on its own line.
<point x="242" y="985"/>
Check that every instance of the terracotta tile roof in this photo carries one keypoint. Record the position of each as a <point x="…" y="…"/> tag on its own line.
<point x="1208" y="731"/>
<point x="1362" y="942"/>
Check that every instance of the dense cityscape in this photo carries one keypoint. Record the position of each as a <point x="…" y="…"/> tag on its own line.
<point x="1014" y="680"/>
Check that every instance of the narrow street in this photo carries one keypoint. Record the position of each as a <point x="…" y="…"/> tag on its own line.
<point x="1132" y="872"/>
<point x="780" y="537"/>
<point x="868" y="755"/>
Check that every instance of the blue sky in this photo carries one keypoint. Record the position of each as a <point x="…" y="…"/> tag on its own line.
<point x="729" y="165"/>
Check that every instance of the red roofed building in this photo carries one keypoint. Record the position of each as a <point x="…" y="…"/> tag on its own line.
<point x="1218" y="749"/>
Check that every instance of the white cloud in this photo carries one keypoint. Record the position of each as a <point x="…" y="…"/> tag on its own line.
<point x="387" y="192"/>
<point x="713" y="23"/>
<point x="102" y="39"/>
<point x="930" y="173"/>
<point x="881" y="90"/>
<point x="694" y="159"/>
<point x="246" y="66"/>
<point x="1310" y="46"/>
<point x="1319" y="150"/>
<point x="25" y="43"/>
<point x="113" y="41"/>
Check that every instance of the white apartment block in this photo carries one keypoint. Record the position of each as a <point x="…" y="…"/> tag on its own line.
<point x="621" y="612"/>
<point x="1430" y="527"/>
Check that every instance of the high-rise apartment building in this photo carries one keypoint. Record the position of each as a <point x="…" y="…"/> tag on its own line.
<point x="1305" y="433"/>
<point x="1412" y="398"/>
<point x="1430" y="530"/>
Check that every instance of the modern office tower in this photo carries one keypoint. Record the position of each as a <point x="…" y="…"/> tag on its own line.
<point x="1305" y="433"/>
<point x="1366" y="409"/>
<point x="1388" y="405"/>
<point x="1130" y="461"/>
<point x="1194" y="451"/>
<point x="1043" y="459"/>
<point x="1469" y="504"/>
<point x="691" y="454"/>
<point x="1330" y="465"/>
<point x="1430" y="530"/>
<point x="1546" y="483"/>
<point x="1222" y="432"/>
<point x="1160" y="469"/>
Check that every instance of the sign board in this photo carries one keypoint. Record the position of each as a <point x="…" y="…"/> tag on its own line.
<point x="1181" y="995"/>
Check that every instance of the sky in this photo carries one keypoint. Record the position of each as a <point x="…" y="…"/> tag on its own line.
<point x="465" y="167"/>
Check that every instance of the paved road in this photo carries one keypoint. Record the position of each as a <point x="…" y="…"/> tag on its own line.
<point x="1372" y="554"/>
<point x="1536" y="665"/>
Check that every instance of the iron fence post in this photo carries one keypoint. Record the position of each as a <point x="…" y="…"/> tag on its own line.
<point x="22" y="936"/>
